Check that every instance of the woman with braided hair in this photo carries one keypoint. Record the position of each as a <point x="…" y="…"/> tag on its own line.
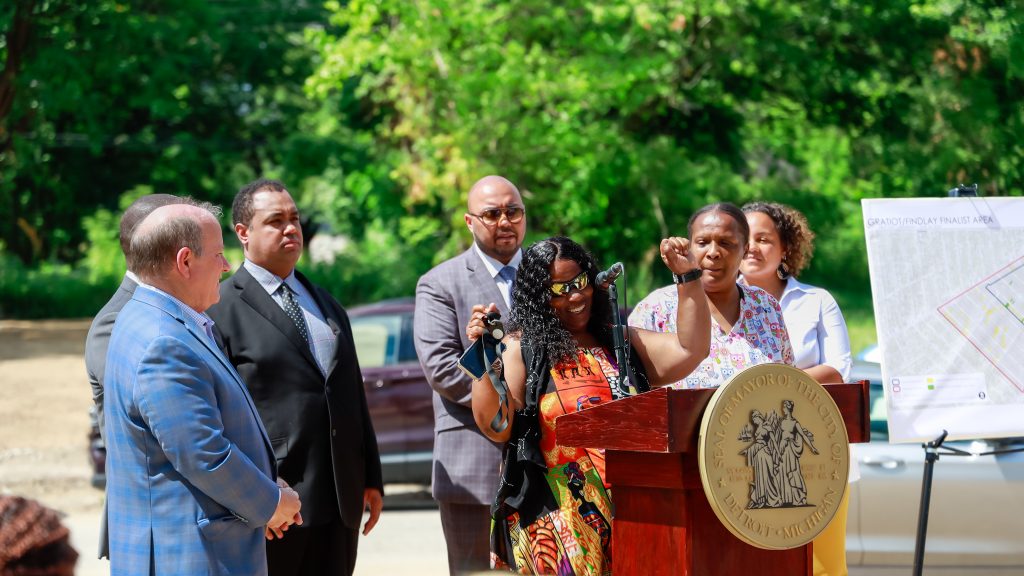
<point x="33" y="542"/>
<point x="557" y="360"/>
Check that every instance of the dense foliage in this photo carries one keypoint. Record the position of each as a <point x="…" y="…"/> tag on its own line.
<point x="617" y="118"/>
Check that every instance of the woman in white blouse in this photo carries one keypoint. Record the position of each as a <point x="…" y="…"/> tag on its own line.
<point x="780" y="247"/>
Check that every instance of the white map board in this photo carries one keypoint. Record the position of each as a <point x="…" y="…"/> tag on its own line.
<point x="947" y="280"/>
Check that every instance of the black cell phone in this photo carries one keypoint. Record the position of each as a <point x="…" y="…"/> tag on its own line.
<point x="472" y="360"/>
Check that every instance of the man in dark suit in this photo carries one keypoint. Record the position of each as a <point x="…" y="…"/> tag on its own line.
<point x="98" y="339"/>
<point x="465" y="474"/>
<point x="292" y="343"/>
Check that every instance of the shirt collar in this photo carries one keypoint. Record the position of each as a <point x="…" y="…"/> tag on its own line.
<point x="494" y="266"/>
<point x="267" y="279"/>
<point x="792" y="285"/>
<point x="131" y="276"/>
<point x="200" y="318"/>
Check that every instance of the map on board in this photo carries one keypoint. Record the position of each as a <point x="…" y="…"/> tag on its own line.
<point x="947" y="280"/>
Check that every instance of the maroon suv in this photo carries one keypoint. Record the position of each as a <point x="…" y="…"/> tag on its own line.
<point x="397" y="393"/>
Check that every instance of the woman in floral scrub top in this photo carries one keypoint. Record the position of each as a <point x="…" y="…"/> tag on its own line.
<point x="556" y="313"/>
<point x="746" y="322"/>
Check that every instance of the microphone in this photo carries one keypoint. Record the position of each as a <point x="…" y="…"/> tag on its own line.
<point x="608" y="277"/>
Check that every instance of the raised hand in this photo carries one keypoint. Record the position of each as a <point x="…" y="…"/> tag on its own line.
<point x="675" y="253"/>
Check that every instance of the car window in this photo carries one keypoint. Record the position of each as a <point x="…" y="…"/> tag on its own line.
<point x="407" y="347"/>
<point x="878" y="414"/>
<point x="377" y="338"/>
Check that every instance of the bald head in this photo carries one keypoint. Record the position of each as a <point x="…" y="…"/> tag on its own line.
<point x="493" y="204"/>
<point x="489" y="186"/>
<point x="138" y="211"/>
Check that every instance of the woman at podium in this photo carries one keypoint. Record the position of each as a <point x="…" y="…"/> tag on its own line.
<point x="553" y="512"/>
<point x="781" y="245"/>
<point x="746" y="322"/>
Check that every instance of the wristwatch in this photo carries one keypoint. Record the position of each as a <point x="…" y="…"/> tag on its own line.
<point x="687" y="276"/>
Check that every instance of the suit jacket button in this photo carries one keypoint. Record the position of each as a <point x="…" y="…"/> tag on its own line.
<point x="334" y="431"/>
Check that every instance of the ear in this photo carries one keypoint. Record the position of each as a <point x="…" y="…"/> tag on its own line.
<point x="469" y="221"/>
<point x="183" y="262"/>
<point x="242" y="231"/>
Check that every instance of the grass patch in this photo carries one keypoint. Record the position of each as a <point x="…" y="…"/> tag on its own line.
<point x="51" y="291"/>
<point x="860" y="317"/>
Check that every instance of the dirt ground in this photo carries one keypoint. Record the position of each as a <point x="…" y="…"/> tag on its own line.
<point x="44" y="414"/>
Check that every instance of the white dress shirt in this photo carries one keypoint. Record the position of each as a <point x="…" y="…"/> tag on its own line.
<point x="816" y="327"/>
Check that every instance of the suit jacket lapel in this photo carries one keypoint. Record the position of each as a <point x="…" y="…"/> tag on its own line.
<point x="480" y="276"/>
<point x="169" y="307"/>
<point x="253" y="294"/>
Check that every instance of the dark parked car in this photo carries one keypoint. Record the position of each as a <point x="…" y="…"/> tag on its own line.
<point x="397" y="393"/>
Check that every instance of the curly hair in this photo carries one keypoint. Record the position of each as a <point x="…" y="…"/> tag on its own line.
<point x="532" y="318"/>
<point x="795" y="233"/>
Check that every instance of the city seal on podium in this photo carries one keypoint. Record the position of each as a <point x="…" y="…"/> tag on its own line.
<point x="774" y="456"/>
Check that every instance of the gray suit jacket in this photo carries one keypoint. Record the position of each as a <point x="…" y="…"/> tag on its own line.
<point x="96" y="343"/>
<point x="465" y="461"/>
<point x="99" y="338"/>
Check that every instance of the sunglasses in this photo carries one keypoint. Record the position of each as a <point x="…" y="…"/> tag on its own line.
<point x="492" y="216"/>
<point x="562" y="288"/>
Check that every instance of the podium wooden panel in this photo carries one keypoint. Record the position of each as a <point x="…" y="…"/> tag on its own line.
<point x="663" y="523"/>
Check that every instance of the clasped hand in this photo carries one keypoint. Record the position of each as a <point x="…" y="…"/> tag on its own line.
<point x="287" y="512"/>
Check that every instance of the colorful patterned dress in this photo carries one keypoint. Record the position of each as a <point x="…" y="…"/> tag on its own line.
<point x="574" y="539"/>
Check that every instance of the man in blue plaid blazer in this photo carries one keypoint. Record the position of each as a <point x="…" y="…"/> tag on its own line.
<point x="190" y="476"/>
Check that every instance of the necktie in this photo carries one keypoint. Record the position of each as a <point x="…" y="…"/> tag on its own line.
<point x="508" y="274"/>
<point x="294" y="311"/>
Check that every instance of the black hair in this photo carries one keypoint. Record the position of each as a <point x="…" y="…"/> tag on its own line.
<point x="241" y="208"/>
<point x="727" y="208"/>
<point x="532" y="317"/>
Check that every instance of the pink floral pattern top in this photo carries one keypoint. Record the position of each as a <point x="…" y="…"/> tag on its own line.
<point x="758" y="337"/>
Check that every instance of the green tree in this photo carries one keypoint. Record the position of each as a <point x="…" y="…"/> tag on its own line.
<point x="191" y="97"/>
<point x="619" y="118"/>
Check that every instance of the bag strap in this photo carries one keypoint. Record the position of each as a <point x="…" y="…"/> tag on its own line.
<point x="490" y="354"/>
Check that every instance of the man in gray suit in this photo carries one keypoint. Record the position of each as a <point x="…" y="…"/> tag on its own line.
<point x="99" y="332"/>
<point x="465" y="473"/>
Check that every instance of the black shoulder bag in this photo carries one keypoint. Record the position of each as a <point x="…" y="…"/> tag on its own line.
<point x="523" y="487"/>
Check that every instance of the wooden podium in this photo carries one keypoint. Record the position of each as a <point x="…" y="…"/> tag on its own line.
<point x="663" y="523"/>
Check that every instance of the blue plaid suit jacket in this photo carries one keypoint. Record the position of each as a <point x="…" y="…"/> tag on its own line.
<point x="189" y="475"/>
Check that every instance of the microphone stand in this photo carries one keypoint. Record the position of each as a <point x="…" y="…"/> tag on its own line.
<point x="625" y="383"/>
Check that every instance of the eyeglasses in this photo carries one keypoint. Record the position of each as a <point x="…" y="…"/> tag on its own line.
<point x="492" y="216"/>
<point x="578" y="283"/>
